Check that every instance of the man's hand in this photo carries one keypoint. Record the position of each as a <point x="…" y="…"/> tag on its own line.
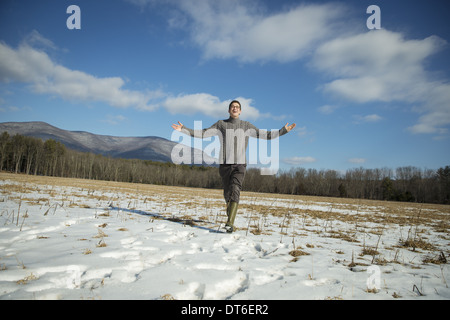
<point x="289" y="127"/>
<point x="177" y="126"/>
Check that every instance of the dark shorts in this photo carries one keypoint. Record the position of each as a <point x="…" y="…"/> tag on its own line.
<point x="233" y="179"/>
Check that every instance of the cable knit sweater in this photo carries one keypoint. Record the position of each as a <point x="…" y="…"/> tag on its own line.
<point x="233" y="135"/>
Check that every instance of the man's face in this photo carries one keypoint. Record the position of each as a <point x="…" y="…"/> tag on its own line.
<point x="235" y="110"/>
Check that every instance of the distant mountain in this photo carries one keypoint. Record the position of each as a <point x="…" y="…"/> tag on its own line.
<point x="144" y="148"/>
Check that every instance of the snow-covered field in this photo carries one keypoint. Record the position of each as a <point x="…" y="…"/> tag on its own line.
<point x="79" y="239"/>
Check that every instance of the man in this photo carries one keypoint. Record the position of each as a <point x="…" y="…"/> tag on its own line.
<point x="233" y="135"/>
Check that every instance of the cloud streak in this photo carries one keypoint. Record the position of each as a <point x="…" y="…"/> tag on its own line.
<point x="296" y="161"/>
<point x="29" y="65"/>
<point x="357" y="160"/>
<point x="209" y="105"/>
<point x="377" y="66"/>
<point x="383" y="66"/>
<point x="368" y="118"/>
<point x="240" y="30"/>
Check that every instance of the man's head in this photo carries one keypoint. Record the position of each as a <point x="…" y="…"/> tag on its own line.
<point x="234" y="109"/>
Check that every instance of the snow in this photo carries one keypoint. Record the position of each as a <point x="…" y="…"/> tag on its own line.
<point x="78" y="239"/>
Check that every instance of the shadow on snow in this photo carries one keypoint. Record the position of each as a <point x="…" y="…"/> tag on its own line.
<point x="187" y="222"/>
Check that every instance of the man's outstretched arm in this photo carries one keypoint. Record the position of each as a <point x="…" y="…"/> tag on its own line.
<point x="269" y="135"/>
<point x="202" y="133"/>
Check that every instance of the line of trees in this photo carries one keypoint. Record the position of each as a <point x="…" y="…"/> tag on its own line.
<point x="22" y="154"/>
<point x="403" y="184"/>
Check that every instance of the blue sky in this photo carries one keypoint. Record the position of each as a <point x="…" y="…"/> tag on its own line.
<point x="359" y="97"/>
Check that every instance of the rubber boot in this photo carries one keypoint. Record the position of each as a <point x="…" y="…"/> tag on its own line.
<point x="231" y="213"/>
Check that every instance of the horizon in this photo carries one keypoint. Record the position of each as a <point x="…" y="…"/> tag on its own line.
<point x="392" y="171"/>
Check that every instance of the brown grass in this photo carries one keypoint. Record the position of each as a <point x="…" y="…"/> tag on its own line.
<point x="346" y="219"/>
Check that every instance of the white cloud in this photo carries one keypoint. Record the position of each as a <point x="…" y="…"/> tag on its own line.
<point x="299" y="160"/>
<point x="29" y="65"/>
<point x="327" y="109"/>
<point x="357" y="160"/>
<point x="114" y="120"/>
<point x="209" y="105"/>
<point x="372" y="118"/>
<point x="9" y="109"/>
<point x="142" y="3"/>
<point x="241" y="30"/>
<point x="35" y="39"/>
<point x="301" y="131"/>
<point x="305" y="134"/>
<point x="376" y="66"/>
<point x="435" y="111"/>
<point x="368" y="118"/>
<point x="384" y="66"/>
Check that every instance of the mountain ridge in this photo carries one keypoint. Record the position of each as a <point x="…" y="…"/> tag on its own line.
<point x="144" y="148"/>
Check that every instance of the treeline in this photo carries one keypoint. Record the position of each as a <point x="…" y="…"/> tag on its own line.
<point x="22" y="154"/>
<point x="403" y="184"/>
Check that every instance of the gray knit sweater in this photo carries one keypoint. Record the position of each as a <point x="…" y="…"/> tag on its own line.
<point x="233" y="134"/>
